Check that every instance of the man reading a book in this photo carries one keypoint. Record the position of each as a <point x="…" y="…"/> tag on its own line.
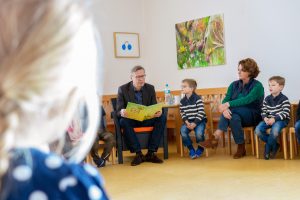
<point x="139" y="92"/>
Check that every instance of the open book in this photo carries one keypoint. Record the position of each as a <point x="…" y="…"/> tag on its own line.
<point x="140" y="112"/>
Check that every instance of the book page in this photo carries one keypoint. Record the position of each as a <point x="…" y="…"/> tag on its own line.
<point x="140" y="112"/>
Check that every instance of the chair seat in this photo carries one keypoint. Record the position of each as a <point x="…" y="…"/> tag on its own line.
<point x="143" y="129"/>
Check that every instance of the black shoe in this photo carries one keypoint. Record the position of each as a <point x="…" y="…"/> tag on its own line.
<point x="274" y="151"/>
<point x="138" y="159"/>
<point x="99" y="161"/>
<point x="267" y="152"/>
<point x="152" y="157"/>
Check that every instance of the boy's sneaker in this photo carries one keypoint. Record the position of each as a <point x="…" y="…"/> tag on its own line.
<point x="274" y="151"/>
<point x="199" y="151"/>
<point x="100" y="162"/>
<point x="192" y="154"/>
<point x="267" y="152"/>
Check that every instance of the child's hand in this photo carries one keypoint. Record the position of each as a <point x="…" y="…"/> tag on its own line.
<point x="187" y="123"/>
<point x="192" y="125"/>
<point x="271" y="121"/>
<point x="266" y="120"/>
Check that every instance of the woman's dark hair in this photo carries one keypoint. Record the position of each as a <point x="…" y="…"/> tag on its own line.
<point x="249" y="65"/>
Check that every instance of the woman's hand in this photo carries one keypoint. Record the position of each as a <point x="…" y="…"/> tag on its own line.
<point x="227" y="114"/>
<point x="223" y="107"/>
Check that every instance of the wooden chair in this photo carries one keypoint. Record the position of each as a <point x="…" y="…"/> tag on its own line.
<point x="143" y="134"/>
<point x="89" y="158"/>
<point x="293" y="143"/>
<point x="283" y="139"/>
<point x="208" y="129"/>
<point x="249" y="130"/>
<point x="292" y="133"/>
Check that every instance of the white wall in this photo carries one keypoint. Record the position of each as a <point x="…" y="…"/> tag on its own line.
<point x="266" y="30"/>
<point x="117" y="16"/>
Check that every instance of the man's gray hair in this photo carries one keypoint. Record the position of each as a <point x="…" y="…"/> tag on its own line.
<point x="137" y="68"/>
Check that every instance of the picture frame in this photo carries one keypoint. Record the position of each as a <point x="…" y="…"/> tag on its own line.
<point x="127" y="45"/>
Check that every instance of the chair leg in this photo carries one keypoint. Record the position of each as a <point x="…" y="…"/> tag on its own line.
<point x="120" y="155"/>
<point x="165" y="144"/>
<point x="295" y="144"/>
<point x="291" y="138"/>
<point x="252" y="142"/>
<point x="257" y="146"/>
<point x="181" y="147"/>
<point x="284" y="143"/>
<point x="113" y="155"/>
<point x="223" y="139"/>
<point x="88" y="159"/>
<point x="229" y="141"/>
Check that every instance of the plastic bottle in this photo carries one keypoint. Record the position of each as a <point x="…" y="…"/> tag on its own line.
<point x="167" y="95"/>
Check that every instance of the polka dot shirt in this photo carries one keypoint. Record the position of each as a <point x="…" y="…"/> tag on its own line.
<point x="34" y="175"/>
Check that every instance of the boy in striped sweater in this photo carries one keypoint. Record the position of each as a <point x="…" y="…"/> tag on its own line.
<point x="193" y="116"/>
<point x="276" y="115"/>
<point x="297" y="124"/>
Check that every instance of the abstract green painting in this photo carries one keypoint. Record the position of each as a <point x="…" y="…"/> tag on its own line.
<point x="200" y="42"/>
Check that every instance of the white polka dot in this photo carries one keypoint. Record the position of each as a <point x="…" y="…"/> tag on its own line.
<point x="38" y="195"/>
<point x="69" y="181"/>
<point x="95" y="192"/>
<point x="53" y="162"/>
<point x="22" y="173"/>
<point x="91" y="170"/>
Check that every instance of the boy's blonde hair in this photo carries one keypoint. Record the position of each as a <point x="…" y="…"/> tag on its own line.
<point x="278" y="79"/>
<point x="44" y="72"/>
<point x="191" y="82"/>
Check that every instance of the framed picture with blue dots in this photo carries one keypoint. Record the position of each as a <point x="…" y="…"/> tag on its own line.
<point x="127" y="45"/>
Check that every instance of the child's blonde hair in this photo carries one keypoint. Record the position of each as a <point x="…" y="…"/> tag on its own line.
<point x="44" y="71"/>
<point x="278" y="79"/>
<point x="191" y="82"/>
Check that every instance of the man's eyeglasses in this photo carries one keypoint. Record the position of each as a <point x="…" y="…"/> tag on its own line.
<point x="140" y="77"/>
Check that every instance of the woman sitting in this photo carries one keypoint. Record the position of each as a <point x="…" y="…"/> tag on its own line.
<point x="241" y="107"/>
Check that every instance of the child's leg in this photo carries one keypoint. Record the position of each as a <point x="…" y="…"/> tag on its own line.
<point x="110" y="142"/>
<point x="199" y="132"/>
<point x="260" y="131"/>
<point x="297" y="130"/>
<point x="184" y="131"/>
<point x="274" y="133"/>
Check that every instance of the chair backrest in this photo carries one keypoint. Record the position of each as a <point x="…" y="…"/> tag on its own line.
<point x="114" y="103"/>
<point x="208" y="112"/>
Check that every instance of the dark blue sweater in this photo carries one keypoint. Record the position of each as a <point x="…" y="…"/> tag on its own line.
<point x="278" y="107"/>
<point x="192" y="109"/>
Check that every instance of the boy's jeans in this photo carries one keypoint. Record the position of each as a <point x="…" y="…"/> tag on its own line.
<point x="199" y="133"/>
<point x="297" y="130"/>
<point x="270" y="139"/>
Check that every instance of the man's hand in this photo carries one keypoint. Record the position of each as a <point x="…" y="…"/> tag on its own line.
<point x="227" y="114"/>
<point x="223" y="107"/>
<point x="123" y="113"/>
<point x="158" y="114"/>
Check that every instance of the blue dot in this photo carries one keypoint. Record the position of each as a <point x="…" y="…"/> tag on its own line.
<point x="123" y="46"/>
<point x="129" y="46"/>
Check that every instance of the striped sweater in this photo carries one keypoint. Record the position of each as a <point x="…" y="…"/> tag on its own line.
<point x="192" y="109"/>
<point x="278" y="107"/>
